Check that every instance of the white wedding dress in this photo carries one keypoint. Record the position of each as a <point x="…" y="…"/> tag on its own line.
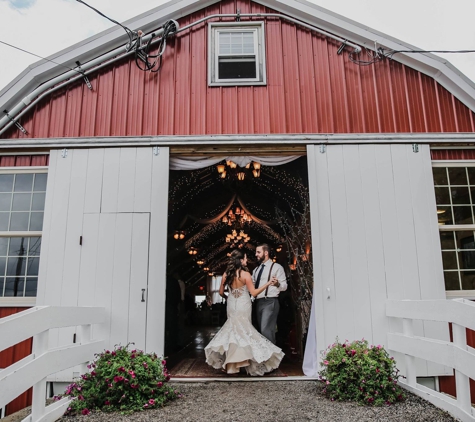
<point x="238" y="344"/>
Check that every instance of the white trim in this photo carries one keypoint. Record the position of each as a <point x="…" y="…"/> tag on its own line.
<point x="456" y="227"/>
<point x="453" y="163"/>
<point x="460" y="294"/>
<point x="29" y="169"/>
<point x="10" y="302"/>
<point x="238" y="139"/>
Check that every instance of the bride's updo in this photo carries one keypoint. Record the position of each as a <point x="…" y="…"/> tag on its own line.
<point x="234" y="265"/>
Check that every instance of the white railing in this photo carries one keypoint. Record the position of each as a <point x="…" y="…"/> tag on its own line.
<point x="456" y="354"/>
<point x="44" y="361"/>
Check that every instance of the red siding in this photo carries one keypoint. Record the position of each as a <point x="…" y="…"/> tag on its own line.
<point x="453" y="154"/>
<point x="14" y="354"/>
<point x="24" y="160"/>
<point x="310" y="89"/>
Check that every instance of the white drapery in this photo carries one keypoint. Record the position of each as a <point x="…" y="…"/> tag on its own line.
<point x="310" y="356"/>
<point x="197" y="162"/>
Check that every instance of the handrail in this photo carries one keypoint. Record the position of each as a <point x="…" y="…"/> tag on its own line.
<point x="34" y="369"/>
<point x="456" y="354"/>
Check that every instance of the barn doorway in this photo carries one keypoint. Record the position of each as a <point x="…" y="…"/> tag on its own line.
<point x="212" y="210"/>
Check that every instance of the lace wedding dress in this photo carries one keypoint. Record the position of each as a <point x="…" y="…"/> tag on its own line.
<point x="238" y="344"/>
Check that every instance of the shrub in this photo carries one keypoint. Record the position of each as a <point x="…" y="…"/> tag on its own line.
<point x="121" y="380"/>
<point x="358" y="372"/>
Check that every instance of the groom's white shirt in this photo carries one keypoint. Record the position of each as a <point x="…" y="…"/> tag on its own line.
<point x="278" y="271"/>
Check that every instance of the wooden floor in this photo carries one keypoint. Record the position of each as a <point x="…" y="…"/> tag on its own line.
<point x="190" y="361"/>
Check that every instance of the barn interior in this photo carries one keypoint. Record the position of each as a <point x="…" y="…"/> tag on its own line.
<point x="213" y="210"/>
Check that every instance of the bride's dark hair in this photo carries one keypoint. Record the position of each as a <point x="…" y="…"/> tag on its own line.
<point x="234" y="265"/>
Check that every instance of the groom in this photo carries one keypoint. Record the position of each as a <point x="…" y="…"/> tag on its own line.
<point x="267" y="302"/>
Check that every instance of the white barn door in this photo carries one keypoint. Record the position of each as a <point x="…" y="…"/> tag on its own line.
<point x="374" y="237"/>
<point x="114" y="271"/>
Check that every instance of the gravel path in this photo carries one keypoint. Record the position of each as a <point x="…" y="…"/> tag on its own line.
<point x="270" y="401"/>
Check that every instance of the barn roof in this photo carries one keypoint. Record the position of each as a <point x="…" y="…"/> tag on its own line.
<point x="40" y="72"/>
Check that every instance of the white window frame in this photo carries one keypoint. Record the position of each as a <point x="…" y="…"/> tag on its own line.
<point x="20" y="301"/>
<point x="456" y="294"/>
<point x="257" y="28"/>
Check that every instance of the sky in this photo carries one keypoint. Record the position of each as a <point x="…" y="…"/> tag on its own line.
<point x="44" y="27"/>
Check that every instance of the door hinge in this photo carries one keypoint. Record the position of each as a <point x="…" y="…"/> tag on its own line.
<point x="80" y="240"/>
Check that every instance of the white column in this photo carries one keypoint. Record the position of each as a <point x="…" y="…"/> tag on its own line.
<point x="40" y="346"/>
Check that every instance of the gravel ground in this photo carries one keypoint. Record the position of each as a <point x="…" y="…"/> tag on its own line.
<point x="270" y="401"/>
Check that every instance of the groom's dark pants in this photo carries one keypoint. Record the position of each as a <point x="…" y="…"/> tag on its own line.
<point x="267" y="311"/>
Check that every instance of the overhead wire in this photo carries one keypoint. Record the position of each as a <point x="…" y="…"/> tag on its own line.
<point x="42" y="58"/>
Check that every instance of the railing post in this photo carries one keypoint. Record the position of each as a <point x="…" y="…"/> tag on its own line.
<point x="462" y="382"/>
<point x="40" y="346"/>
<point x="408" y="330"/>
<point x="85" y="336"/>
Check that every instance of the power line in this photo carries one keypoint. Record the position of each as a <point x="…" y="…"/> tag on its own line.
<point x="43" y="58"/>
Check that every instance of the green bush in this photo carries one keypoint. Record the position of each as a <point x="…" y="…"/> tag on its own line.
<point x="358" y="372"/>
<point x="121" y="380"/>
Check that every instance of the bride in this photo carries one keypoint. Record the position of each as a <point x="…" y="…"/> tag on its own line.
<point x="238" y="344"/>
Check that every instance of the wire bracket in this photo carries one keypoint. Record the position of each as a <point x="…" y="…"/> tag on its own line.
<point x="86" y="80"/>
<point x="16" y="123"/>
<point x="238" y="15"/>
<point x="342" y="47"/>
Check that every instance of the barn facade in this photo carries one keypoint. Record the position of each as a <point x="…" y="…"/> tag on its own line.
<point x="387" y="147"/>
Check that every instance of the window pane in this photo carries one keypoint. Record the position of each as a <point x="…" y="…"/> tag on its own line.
<point x="442" y="196"/>
<point x="4" y="218"/>
<point x="237" y="69"/>
<point x="447" y="240"/>
<point x="460" y="195"/>
<point x="6" y="182"/>
<point x="468" y="280"/>
<point x="5" y="201"/>
<point x="2" y="285"/>
<point x="451" y="280"/>
<point x="38" y="202"/>
<point x="35" y="246"/>
<point x="23" y="182"/>
<point x="31" y="286"/>
<point x="458" y="176"/>
<point x="19" y="221"/>
<point x="32" y="267"/>
<point x="3" y="262"/>
<point x="450" y="260"/>
<point x="463" y="215"/>
<point x="21" y="202"/>
<point x="440" y="176"/>
<point x="471" y="175"/>
<point x="17" y="246"/>
<point x="444" y="215"/>
<point x="3" y="246"/>
<point x="40" y="182"/>
<point x="467" y="260"/>
<point x="11" y="287"/>
<point x="465" y="239"/>
<point x="36" y="223"/>
<point x="16" y="266"/>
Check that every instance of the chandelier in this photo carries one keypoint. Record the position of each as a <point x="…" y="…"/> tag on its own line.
<point x="237" y="216"/>
<point x="240" y="174"/>
<point x="237" y="239"/>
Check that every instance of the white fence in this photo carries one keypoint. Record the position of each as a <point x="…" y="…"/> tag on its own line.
<point x="456" y="354"/>
<point x="44" y="361"/>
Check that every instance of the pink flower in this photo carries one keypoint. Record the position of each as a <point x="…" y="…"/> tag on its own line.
<point x="145" y="365"/>
<point x="107" y="352"/>
<point x="325" y="362"/>
<point x="132" y="356"/>
<point x="159" y="384"/>
<point x="107" y="402"/>
<point x="353" y="352"/>
<point x="121" y="369"/>
<point x="151" y="402"/>
<point x="164" y="362"/>
<point x="93" y="373"/>
<point x="145" y="405"/>
<point x="113" y="353"/>
<point x="343" y="360"/>
<point x="118" y="379"/>
<point x="167" y="378"/>
<point x="328" y="382"/>
<point x="379" y="347"/>
<point x="134" y="385"/>
<point x="85" y="411"/>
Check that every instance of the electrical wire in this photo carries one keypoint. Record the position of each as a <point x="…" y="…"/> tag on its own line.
<point x="43" y="58"/>
<point x="131" y="34"/>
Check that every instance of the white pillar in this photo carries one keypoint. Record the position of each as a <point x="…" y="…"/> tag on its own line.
<point x="40" y="346"/>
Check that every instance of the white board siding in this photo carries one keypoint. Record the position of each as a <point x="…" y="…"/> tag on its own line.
<point x="96" y="194"/>
<point x="382" y="243"/>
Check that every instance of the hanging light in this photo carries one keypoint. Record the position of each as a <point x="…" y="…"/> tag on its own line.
<point x="256" y="165"/>
<point x="200" y="262"/>
<point x="241" y="175"/>
<point x="220" y="168"/>
<point x="192" y="251"/>
<point x="179" y="234"/>
<point x="176" y="235"/>
<point x="225" y="220"/>
<point x="232" y="164"/>
<point x="223" y="175"/>
<point x="206" y="269"/>
<point x="210" y="274"/>
<point x="279" y="248"/>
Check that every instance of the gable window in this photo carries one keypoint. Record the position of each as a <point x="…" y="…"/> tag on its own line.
<point x="236" y="54"/>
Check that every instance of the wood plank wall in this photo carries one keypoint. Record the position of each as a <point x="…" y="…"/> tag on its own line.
<point x="375" y="237"/>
